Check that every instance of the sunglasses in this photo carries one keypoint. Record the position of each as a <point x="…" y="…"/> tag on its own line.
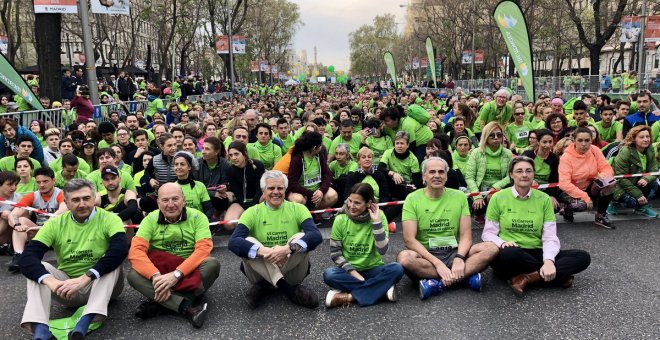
<point x="520" y="113"/>
<point x="497" y="135"/>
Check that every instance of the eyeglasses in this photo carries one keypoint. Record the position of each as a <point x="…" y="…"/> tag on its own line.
<point x="497" y="135"/>
<point x="520" y="113"/>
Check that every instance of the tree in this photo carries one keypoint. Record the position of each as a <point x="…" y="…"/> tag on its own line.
<point x="596" y="26"/>
<point x="11" y="23"/>
<point x="47" y="29"/>
<point x="368" y="44"/>
<point x="219" y="19"/>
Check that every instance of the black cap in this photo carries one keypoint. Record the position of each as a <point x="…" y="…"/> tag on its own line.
<point x="109" y="170"/>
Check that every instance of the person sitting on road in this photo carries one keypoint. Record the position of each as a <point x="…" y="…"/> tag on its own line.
<point x="367" y="173"/>
<point x="107" y="157"/>
<point x="546" y="165"/>
<point x="585" y="176"/>
<point x="521" y="222"/>
<point x="437" y="234"/>
<point x="486" y="167"/>
<point x="171" y="259"/>
<point x="90" y="246"/>
<point x="635" y="156"/>
<point x="273" y="239"/>
<point x="357" y="244"/>
<point x="118" y="200"/>
<point x="70" y="170"/>
<point x="46" y="198"/>
<point x="8" y="183"/>
<point x="197" y="197"/>
<point x="267" y="152"/>
<point x="342" y="167"/>
<point x="25" y="146"/>
<point x="309" y="176"/>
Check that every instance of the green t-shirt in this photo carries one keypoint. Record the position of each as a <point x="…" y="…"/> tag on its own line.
<point x="459" y="163"/>
<point x="30" y="186"/>
<point x="493" y="170"/>
<point x="378" y="145"/>
<point x="8" y="163"/>
<point x="655" y="132"/>
<point x="438" y="220"/>
<point x="541" y="170"/>
<point x="608" y="134"/>
<point x="642" y="159"/>
<point x="518" y="134"/>
<point x="374" y="185"/>
<point x="353" y="144"/>
<point x="56" y="165"/>
<point x="178" y="238"/>
<point x="287" y="142"/>
<point x="630" y="82"/>
<point x="79" y="246"/>
<point x="311" y="176"/>
<point x="196" y="196"/>
<point x="125" y="180"/>
<point x="521" y="220"/>
<point x="268" y="154"/>
<point x="338" y="170"/>
<point x="404" y="167"/>
<point x="616" y="83"/>
<point x="274" y="227"/>
<point x="137" y="177"/>
<point x="60" y="182"/>
<point x="358" y="244"/>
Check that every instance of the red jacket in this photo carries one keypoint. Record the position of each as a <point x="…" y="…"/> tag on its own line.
<point x="296" y="172"/>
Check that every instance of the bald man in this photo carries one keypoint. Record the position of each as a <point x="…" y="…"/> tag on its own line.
<point x="171" y="259"/>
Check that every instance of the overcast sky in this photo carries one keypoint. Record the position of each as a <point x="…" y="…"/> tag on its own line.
<point x="327" y="24"/>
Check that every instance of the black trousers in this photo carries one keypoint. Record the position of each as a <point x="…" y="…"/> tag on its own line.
<point x="513" y="261"/>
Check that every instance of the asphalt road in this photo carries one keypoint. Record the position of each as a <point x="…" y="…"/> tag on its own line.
<point x="616" y="297"/>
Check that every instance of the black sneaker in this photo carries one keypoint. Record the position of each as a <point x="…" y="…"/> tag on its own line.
<point x="256" y="294"/>
<point x="568" y="215"/>
<point x="196" y="314"/>
<point x="603" y="221"/>
<point x="305" y="297"/>
<point x="5" y="249"/>
<point x="13" y="264"/>
<point x="150" y="309"/>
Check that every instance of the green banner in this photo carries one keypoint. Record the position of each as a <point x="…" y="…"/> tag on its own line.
<point x="431" y="56"/>
<point x="389" y="62"/>
<point x="15" y="83"/>
<point x="512" y="24"/>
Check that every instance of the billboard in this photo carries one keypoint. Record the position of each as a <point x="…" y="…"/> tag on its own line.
<point x="56" y="6"/>
<point x="114" y="7"/>
<point x="238" y="44"/>
<point x="478" y="57"/>
<point x="630" y="28"/>
<point x="4" y="44"/>
<point x="254" y="66"/>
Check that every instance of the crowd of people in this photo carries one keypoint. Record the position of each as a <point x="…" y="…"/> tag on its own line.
<point x="260" y="162"/>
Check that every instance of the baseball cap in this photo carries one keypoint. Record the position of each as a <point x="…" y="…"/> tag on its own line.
<point x="110" y="170"/>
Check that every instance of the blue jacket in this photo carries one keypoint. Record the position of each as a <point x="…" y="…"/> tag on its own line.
<point x="606" y="82"/>
<point x="638" y="118"/>
<point x="37" y="153"/>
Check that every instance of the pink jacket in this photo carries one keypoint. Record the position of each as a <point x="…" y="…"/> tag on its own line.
<point x="577" y="171"/>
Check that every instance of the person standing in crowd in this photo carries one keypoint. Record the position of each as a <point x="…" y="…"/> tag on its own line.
<point x="69" y="84"/>
<point x="357" y="244"/>
<point x="437" y="234"/>
<point x="171" y="259"/>
<point x="521" y="222"/>
<point x="82" y="105"/>
<point x="273" y="239"/>
<point x="498" y="110"/>
<point x="585" y="176"/>
<point x="91" y="280"/>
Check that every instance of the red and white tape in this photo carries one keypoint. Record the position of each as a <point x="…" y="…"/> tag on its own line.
<point x="332" y="210"/>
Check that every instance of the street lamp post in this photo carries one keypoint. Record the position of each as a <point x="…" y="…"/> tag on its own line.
<point x="231" y="48"/>
<point x="90" y="61"/>
<point x="641" y="60"/>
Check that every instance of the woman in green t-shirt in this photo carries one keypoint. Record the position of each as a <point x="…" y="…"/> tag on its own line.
<point x="486" y="168"/>
<point x="194" y="192"/>
<point x="635" y="156"/>
<point x="267" y="152"/>
<point x="546" y="164"/>
<point x="521" y="222"/>
<point x="358" y="241"/>
<point x="24" y="168"/>
<point x="341" y="167"/>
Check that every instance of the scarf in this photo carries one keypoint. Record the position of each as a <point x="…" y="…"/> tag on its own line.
<point x="403" y="155"/>
<point x="359" y="219"/>
<point x="368" y="172"/>
<point x="188" y="180"/>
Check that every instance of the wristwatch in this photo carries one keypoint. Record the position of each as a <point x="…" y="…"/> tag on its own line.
<point x="461" y="257"/>
<point x="294" y="247"/>
<point x="178" y="274"/>
<point x="90" y="274"/>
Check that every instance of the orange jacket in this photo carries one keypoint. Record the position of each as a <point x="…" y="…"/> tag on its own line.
<point x="577" y="171"/>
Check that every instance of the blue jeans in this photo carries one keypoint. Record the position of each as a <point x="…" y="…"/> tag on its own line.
<point x="378" y="281"/>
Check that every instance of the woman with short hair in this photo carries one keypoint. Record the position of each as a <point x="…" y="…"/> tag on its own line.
<point x="521" y="222"/>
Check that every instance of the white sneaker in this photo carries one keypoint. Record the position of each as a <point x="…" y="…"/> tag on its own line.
<point x="391" y="294"/>
<point x="331" y="294"/>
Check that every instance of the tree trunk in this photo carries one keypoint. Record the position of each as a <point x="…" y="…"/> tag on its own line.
<point x="47" y="28"/>
<point x="619" y="60"/>
<point x="594" y="58"/>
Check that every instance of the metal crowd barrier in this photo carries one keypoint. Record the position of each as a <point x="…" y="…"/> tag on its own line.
<point x="210" y="97"/>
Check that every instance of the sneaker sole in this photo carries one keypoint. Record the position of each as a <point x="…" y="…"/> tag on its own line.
<point x="645" y="215"/>
<point x="328" y="297"/>
<point x="392" y="294"/>
<point x="604" y="226"/>
<point x="198" y="321"/>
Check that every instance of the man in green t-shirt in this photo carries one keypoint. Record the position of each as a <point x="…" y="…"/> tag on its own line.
<point x="107" y="157"/>
<point x="347" y="136"/>
<point x="117" y="200"/>
<point x="90" y="246"/>
<point x="437" y="233"/>
<point x="273" y="239"/>
<point x="171" y="259"/>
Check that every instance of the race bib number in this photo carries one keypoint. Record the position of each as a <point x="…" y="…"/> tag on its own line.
<point x="523" y="134"/>
<point x="445" y="242"/>
<point x="312" y="181"/>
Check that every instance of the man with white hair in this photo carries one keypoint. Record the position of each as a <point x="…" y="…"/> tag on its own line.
<point x="496" y="110"/>
<point x="274" y="239"/>
<point x="252" y="119"/>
